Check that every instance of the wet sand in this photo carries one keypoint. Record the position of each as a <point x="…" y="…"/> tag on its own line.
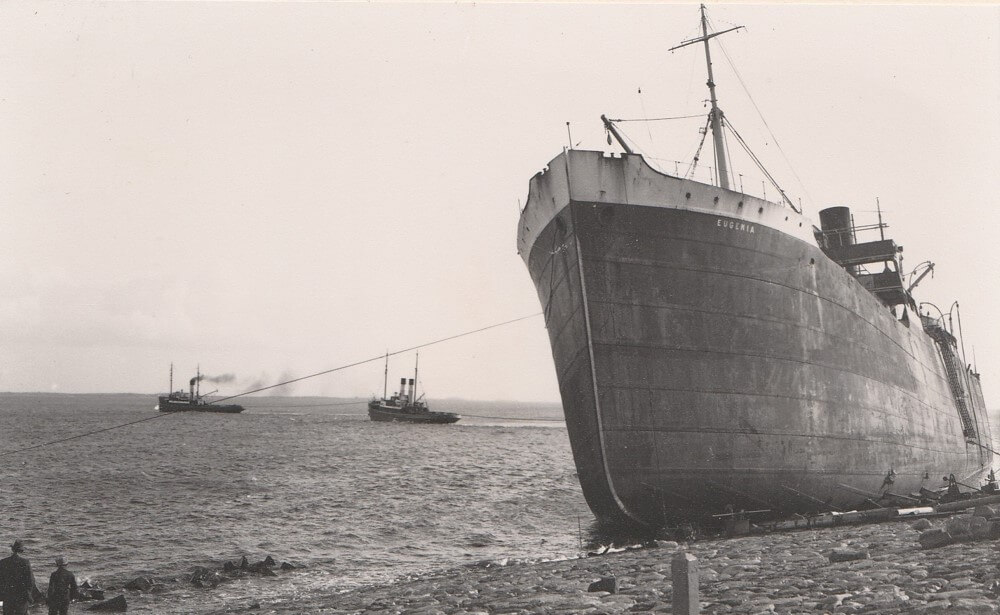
<point x="782" y="572"/>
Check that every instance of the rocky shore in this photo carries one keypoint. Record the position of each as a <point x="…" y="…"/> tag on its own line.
<point x="881" y="568"/>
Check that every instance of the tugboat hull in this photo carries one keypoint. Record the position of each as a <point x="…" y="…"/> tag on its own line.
<point x="167" y="405"/>
<point x="378" y="412"/>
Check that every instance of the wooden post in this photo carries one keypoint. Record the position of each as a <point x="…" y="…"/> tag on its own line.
<point x="684" y="570"/>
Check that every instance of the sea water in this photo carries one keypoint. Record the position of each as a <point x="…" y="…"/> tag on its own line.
<point x="306" y="480"/>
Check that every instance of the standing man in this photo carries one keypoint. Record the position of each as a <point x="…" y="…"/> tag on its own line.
<point x="17" y="584"/>
<point x="62" y="588"/>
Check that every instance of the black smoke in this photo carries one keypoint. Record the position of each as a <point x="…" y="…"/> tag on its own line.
<point x="221" y="379"/>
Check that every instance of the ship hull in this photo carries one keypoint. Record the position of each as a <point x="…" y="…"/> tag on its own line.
<point x="710" y="355"/>
<point x="384" y="414"/>
<point x="167" y="405"/>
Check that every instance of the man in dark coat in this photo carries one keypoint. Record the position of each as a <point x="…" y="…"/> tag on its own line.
<point x="62" y="588"/>
<point x="17" y="584"/>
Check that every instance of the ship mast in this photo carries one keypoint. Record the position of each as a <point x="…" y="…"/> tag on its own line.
<point x="716" y="115"/>
<point x="413" y="389"/>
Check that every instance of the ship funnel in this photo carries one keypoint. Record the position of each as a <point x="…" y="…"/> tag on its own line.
<point x="838" y="229"/>
<point x="413" y="392"/>
<point x="402" y="388"/>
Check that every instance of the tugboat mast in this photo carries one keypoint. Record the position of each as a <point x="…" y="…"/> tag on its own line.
<point x="716" y="116"/>
<point x="413" y="389"/>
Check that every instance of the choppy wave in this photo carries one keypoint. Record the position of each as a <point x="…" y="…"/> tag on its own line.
<point x="356" y="502"/>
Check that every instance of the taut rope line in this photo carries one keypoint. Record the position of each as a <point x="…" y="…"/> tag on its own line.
<point x="327" y="371"/>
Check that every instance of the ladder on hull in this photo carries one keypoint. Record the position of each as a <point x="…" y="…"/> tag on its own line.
<point x="955" y="370"/>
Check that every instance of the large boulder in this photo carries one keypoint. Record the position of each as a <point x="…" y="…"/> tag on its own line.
<point x="935" y="538"/>
<point x="921" y="525"/>
<point x="979" y="528"/>
<point x="986" y="512"/>
<point x="606" y="584"/>
<point x="959" y="527"/>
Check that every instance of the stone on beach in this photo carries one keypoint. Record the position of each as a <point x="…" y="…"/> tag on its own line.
<point x="922" y="524"/>
<point x="605" y="584"/>
<point x="987" y="512"/>
<point x="935" y="538"/>
<point x="959" y="527"/>
<point x="841" y="554"/>
<point x="786" y="573"/>
<point x="118" y="604"/>
<point x="141" y="584"/>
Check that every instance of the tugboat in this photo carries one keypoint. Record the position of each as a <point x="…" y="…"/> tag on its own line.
<point x="405" y="406"/>
<point x="193" y="401"/>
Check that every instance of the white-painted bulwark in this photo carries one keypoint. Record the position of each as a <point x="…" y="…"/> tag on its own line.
<point x="594" y="177"/>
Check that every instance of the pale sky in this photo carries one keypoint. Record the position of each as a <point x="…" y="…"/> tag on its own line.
<point x="272" y="190"/>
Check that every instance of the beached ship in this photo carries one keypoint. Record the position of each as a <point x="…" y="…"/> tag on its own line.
<point x="716" y="351"/>
<point x="192" y="400"/>
<point x="405" y="406"/>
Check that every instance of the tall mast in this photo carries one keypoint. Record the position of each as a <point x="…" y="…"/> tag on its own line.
<point x="716" y="116"/>
<point x="385" y="379"/>
<point x="171" y="389"/>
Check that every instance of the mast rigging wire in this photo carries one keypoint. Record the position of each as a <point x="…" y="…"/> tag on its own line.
<point x="328" y="371"/>
<point x="761" y="115"/>
<point x="760" y="165"/>
<point x="649" y="130"/>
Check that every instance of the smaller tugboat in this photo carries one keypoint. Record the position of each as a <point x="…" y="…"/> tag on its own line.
<point x="405" y="406"/>
<point x="193" y="401"/>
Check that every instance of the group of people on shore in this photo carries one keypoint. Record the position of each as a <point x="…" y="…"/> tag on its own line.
<point x="18" y="589"/>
